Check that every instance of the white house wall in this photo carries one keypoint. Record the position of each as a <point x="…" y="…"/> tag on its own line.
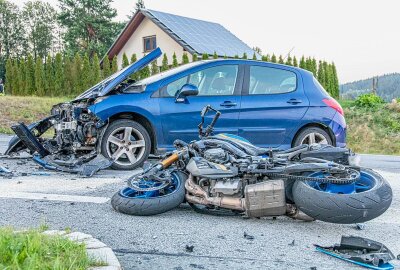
<point x="165" y="42"/>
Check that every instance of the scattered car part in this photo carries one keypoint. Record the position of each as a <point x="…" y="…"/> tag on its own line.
<point x="227" y="172"/>
<point x="5" y="172"/>
<point x="361" y="251"/>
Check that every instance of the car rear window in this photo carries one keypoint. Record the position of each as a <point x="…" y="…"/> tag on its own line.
<point x="268" y="81"/>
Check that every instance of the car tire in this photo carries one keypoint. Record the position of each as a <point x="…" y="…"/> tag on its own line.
<point x="344" y="208"/>
<point x="312" y="135"/>
<point x="132" y="141"/>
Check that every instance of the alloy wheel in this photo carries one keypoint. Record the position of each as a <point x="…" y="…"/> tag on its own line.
<point x="126" y="145"/>
<point x="314" y="137"/>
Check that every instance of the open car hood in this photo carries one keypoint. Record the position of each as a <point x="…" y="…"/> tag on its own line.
<point x="108" y="84"/>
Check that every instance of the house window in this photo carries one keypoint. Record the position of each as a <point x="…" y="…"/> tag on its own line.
<point x="149" y="43"/>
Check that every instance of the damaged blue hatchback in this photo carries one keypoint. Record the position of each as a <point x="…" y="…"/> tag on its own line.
<point x="269" y="104"/>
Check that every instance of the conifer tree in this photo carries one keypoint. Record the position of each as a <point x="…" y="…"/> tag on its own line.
<point x="205" y="56"/>
<point x="49" y="76"/>
<point x="164" y="65"/>
<point x="314" y="67"/>
<point x="308" y="64"/>
<point x="86" y="80"/>
<point x="15" y="82"/>
<point x="335" y="81"/>
<point x="215" y="56"/>
<point x="321" y="74"/>
<point x="327" y="79"/>
<point x="302" y="63"/>
<point x="9" y="77"/>
<point x="195" y="58"/>
<point x="114" y="65"/>
<point x="21" y="75"/>
<point x="39" y="77"/>
<point x="244" y="56"/>
<point x="58" y="76"/>
<point x="225" y="56"/>
<point x="289" y="61"/>
<point x="185" y="58"/>
<point x="154" y="67"/>
<point x="295" y="64"/>
<point x="68" y="83"/>
<point x="280" y="61"/>
<point x="236" y="56"/>
<point x="77" y="73"/>
<point x="145" y="72"/>
<point x="106" y="67"/>
<point x="273" y="58"/>
<point x="266" y="58"/>
<point x="29" y="76"/>
<point x="254" y="56"/>
<point x="125" y="61"/>
<point x="174" y="60"/>
<point x="134" y="76"/>
<point x="96" y="69"/>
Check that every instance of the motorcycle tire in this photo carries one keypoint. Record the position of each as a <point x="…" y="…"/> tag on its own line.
<point x="357" y="207"/>
<point x="151" y="205"/>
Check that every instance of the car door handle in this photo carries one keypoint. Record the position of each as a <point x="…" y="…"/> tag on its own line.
<point x="228" y="104"/>
<point x="294" y="101"/>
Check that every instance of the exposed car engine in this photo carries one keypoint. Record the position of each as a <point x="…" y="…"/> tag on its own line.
<point x="75" y="128"/>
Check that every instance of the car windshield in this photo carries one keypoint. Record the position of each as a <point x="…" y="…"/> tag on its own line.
<point x="166" y="74"/>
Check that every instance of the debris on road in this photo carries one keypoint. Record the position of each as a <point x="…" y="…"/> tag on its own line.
<point x="360" y="226"/>
<point x="293" y="243"/>
<point x="248" y="236"/>
<point x="360" y="251"/>
<point x="189" y="248"/>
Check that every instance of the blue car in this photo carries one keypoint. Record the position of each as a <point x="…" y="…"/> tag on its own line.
<point x="269" y="104"/>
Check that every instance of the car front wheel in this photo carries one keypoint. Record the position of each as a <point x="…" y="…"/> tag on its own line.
<point x="127" y="142"/>
<point x="313" y="135"/>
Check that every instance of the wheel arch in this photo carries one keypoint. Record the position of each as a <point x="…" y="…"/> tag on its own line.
<point x="141" y="120"/>
<point x="318" y="125"/>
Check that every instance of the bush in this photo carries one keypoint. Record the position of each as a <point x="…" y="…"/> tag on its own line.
<point x="369" y="101"/>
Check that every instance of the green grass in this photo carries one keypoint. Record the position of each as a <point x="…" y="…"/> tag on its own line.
<point x="373" y="130"/>
<point x="34" y="250"/>
<point x="14" y="109"/>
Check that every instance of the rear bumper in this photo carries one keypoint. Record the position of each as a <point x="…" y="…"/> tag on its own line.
<point x="339" y="129"/>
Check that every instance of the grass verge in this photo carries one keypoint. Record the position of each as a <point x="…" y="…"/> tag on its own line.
<point x="34" y="250"/>
<point x="14" y="109"/>
<point x="374" y="130"/>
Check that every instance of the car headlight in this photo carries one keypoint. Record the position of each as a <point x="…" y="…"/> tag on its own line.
<point x="100" y="99"/>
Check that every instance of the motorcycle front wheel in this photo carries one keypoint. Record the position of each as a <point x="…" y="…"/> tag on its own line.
<point x="147" y="203"/>
<point x="366" y="199"/>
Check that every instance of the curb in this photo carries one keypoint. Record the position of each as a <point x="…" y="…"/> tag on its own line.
<point x="94" y="247"/>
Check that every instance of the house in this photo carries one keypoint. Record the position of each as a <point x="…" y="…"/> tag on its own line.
<point x="149" y="29"/>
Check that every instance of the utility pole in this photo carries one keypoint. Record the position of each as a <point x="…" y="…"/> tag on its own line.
<point x="374" y="85"/>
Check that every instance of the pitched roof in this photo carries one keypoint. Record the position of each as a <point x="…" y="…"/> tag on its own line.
<point x="195" y="36"/>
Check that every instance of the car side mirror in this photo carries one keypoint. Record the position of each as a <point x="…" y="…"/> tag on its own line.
<point x="186" y="90"/>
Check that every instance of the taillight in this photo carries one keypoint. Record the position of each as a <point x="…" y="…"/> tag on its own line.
<point x="334" y="105"/>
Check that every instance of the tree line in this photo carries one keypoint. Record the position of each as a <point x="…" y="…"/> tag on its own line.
<point x="48" y="52"/>
<point x="63" y="75"/>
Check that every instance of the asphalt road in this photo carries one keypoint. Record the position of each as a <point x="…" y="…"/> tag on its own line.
<point x="66" y="201"/>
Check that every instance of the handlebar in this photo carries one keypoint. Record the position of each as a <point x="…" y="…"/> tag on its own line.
<point x="210" y="127"/>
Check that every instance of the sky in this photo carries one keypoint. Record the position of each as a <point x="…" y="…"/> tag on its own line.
<point x="361" y="37"/>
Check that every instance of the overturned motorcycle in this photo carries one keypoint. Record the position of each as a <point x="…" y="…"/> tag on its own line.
<point x="226" y="173"/>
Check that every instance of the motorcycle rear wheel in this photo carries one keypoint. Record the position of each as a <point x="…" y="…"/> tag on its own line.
<point x="366" y="199"/>
<point x="131" y="202"/>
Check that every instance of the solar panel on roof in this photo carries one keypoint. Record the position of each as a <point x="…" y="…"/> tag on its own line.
<point x="203" y="36"/>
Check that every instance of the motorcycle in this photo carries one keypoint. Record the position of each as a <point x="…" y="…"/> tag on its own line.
<point x="226" y="174"/>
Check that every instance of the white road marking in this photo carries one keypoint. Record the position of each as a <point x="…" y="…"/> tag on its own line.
<point x="53" y="197"/>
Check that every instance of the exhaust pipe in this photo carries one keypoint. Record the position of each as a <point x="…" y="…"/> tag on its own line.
<point x="201" y="197"/>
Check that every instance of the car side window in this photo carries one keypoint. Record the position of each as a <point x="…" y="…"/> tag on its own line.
<point x="215" y="81"/>
<point x="268" y="81"/>
<point x="175" y="86"/>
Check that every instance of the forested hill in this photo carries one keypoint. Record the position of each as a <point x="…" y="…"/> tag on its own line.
<point x="388" y="87"/>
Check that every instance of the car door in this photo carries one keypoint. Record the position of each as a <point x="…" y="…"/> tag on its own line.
<point x="219" y="86"/>
<point x="273" y="102"/>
